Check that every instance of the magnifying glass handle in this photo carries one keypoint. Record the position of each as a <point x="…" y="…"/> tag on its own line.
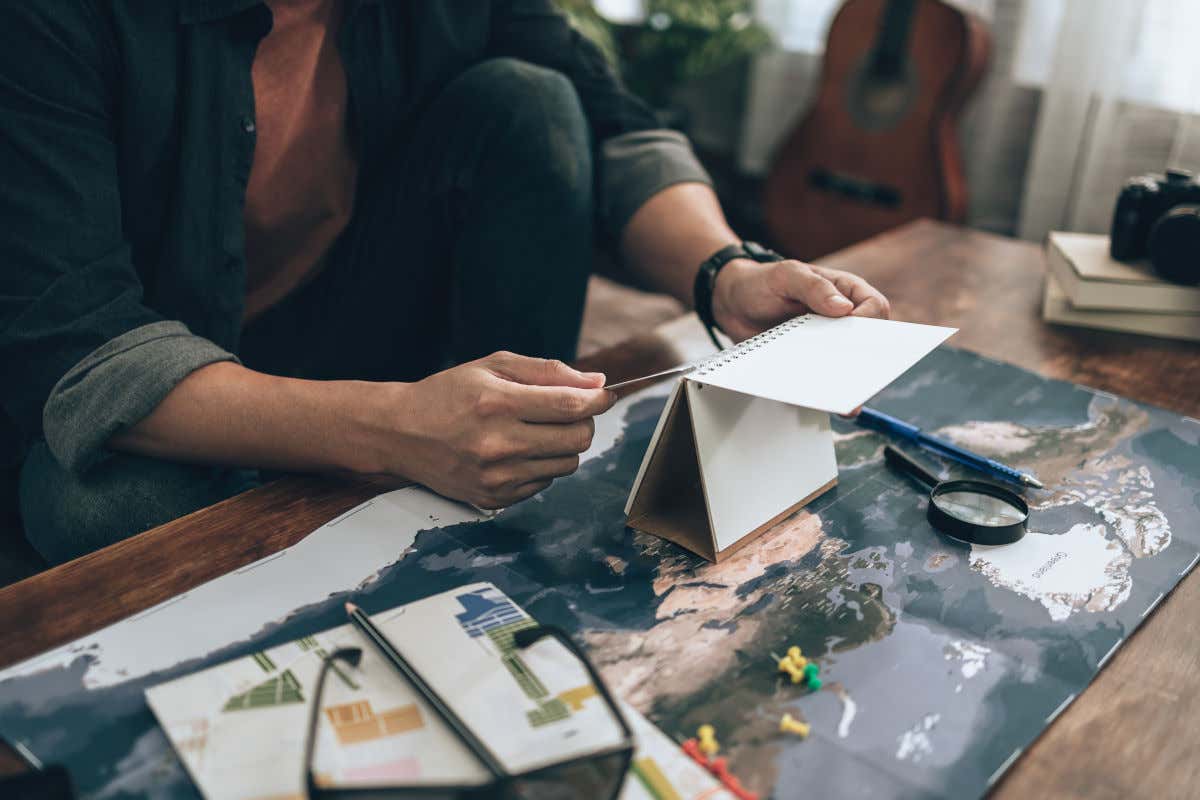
<point x="902" y="462"/>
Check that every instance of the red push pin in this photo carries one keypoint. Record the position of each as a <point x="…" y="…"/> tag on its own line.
<point x="719" y="769"/>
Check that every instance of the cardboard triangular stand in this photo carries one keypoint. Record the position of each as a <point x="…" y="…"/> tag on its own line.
<point x="745" y="439"/>
<point x="724" y="467"/>
<point x="668" y="496"/>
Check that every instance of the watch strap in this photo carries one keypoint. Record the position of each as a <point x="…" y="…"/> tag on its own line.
<point x="706" y="279"/>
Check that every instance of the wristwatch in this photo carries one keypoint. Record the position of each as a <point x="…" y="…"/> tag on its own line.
<point x="706" y="279"/>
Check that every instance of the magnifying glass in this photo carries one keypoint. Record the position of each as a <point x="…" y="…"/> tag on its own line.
<point x="975" y="512"/>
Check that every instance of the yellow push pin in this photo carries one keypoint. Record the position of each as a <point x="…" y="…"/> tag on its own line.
<point x="788" y="665"/>
<point x="797" y="657"/>
<point x="789" y="724"/>
<point x="708" y="740"/>
<point x="792" y="670"/>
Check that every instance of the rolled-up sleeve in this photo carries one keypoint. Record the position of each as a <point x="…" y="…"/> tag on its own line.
<point x="80" y="354"/>
<point x="636" y="166"/>
<point x="117" y="385"/>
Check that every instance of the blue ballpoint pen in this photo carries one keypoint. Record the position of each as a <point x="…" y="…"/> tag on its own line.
<point x="884" y="423"/>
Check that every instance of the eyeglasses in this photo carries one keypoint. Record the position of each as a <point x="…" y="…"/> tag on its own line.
<point x="599" y="774"/>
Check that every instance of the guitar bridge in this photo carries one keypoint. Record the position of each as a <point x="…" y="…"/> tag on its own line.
<point x="859" y="189"/>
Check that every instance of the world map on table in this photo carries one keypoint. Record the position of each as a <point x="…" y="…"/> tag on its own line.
<point x="940" y="661"/>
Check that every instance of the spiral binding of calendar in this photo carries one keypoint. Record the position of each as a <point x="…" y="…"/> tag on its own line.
<point x="727" y="356"/>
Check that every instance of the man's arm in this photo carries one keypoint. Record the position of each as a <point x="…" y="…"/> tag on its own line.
<point x="491" y="432"/>
<point x="682" y="225"/>
<point x="671" y="234"/>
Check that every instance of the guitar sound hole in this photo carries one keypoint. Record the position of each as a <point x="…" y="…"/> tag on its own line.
<point x="878" y="99"/>
<point x="860" y="189"/>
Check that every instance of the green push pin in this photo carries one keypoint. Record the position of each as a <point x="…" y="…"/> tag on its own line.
<point x="811" y="670"/>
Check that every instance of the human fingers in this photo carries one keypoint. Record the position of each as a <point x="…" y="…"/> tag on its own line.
<point x="559" y="403"/>
<point x="510" y="474"/>
<point x="516" y="440"/>
<point x="801" y="283"/>
<point x="541" y="371"/>
<point x="528" y="490"/>
<point x="868" y="301"/>
<point x="510" y="497"/>
<point x="542" y="440"/>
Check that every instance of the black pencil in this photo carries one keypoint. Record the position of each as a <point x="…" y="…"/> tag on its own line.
<point x="485" y="755"/>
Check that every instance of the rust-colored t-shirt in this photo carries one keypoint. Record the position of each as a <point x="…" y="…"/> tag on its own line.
<point x="301" y="190"/>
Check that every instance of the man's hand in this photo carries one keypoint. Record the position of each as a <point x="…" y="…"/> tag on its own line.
<point x="750" y="297"/>
<point x="490" y="432"/>
<point x="494" y="431"/>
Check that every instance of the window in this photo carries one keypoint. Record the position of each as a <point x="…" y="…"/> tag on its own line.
<point x="798" y="25"/>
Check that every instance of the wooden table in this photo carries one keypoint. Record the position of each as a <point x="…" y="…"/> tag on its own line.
<point x="1134" y="733"/>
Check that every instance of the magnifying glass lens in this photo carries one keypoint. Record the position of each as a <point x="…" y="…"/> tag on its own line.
<point x="972" y="512"/>
<point x="977" y="508"/>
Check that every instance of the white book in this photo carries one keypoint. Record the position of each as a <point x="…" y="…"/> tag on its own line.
<point x="1056" y="307"/>
<point x="744" y="439"/>
<point x="1092" y="279"/>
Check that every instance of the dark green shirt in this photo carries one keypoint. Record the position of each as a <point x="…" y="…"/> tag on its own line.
<point x="126" y="138"/>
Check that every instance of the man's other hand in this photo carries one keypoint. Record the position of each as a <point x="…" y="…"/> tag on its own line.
<point x="750" y="297"/>
<point x="491" y="432"/>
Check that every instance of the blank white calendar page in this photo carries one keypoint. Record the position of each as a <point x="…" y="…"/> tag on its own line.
<point x="829" y="364"/>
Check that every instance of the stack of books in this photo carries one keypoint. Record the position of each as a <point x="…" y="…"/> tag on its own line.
<point x="1086" y="287"/>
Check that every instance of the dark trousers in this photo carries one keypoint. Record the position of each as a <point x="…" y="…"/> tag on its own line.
<point x="476" y="237"/>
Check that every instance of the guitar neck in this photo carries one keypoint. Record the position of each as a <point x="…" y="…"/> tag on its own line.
<point x="891" y="43"/>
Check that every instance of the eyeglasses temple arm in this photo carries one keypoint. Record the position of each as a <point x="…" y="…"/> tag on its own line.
<point x="910" y="466"/>
<point x="314" y="714"/>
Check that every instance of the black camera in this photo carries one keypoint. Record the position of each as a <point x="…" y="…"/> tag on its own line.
<point x="1159" y="216"/>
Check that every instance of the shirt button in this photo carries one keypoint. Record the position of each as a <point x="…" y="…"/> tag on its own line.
<point x="248" y="124"/>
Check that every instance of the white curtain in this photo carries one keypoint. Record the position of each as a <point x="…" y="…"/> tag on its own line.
<point x="1120" y="95"/>
<point x="1080" y="95"/>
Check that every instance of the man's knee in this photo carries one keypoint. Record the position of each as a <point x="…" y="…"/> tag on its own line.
<point x="67" y="515"/>
<point x="517" y="86"/>
<point x="543" y="128"/>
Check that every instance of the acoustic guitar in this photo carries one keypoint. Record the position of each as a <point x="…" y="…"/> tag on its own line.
<point x="880" y="145"/>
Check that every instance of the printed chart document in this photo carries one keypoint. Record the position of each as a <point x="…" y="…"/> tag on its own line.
<point x="240" y="727"/>
<point x="744" y="439"/>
